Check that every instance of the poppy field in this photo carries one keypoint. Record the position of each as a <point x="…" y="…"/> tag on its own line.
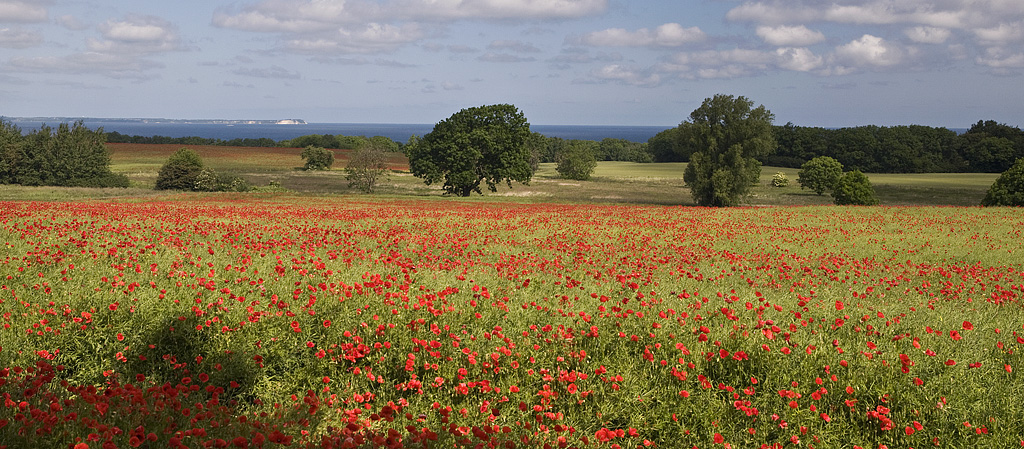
<point x="278" y="321"/>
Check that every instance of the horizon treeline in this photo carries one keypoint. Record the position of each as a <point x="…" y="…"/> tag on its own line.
<point x="987" y="147"/>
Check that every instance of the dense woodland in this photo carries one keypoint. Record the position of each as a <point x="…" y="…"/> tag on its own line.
<point x="987" y="147"/>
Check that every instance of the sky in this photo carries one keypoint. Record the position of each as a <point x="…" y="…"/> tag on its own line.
<point x="561" y="62"/>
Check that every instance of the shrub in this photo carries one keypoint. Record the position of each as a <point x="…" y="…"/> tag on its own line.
<point x="780" y="180"/>
<point x="577" y="161"/>
<point x="820" y="174"/>
<point x="180" y="172"/>
<point x="1008" y="190"/>
<point x="853" y="188"/>
<point x="317" y="158"/>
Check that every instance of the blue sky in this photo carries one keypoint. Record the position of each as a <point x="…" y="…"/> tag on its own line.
<point x="592" y="62"/>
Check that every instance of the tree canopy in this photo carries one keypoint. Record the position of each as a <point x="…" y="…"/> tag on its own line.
<point x="317" y="158"/>
<point x="485" y="144"/>
<point x="725" y="136"/>
<point x="1008" y="189"/>
<point x="576" y="161"/>
<point x="71" y="155"/>
<point x="820" y="174"/>
<point x="854" y="188"/>
<point x="181" y="171"/>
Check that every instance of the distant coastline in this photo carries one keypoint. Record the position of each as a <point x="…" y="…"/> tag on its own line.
<point x="282" y="129"/>
<point x="287" y="121"/>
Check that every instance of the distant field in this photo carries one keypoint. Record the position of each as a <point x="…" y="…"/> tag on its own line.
<point x="612" y="182"/>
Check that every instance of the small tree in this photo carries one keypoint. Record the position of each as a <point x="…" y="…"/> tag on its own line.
<point x="820" y="174"/>
<point x="180" y="172"/>
<point x="853" y="188"/>
<point x="317" y="158"/>
<point x="577" y="160"/>
<point x="368" y="166"/>
<point x="1008" y="190"/>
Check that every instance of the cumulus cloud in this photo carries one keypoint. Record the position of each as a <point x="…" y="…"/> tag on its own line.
<point x="868" y="51"/>
<point x="504" y="57"/>
<point x="23" y="12"/>
<point x="667" y="35"/>
<point x="732" y="63"/>
<point x="798" y="59"/>
<point x="790" y="36"/>
<point x="1002" y="60"/>
<point x="137" y="35"/>
<point x="316" y="25"/>
<point x="19" y="38"/>
<point x="1002" y="33"/>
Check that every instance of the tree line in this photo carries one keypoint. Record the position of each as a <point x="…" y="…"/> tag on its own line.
<point x="987" y="147"/>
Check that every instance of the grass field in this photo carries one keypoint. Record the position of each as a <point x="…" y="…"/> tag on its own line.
<point x="271" y="320"/>
<point x="612" y="182"/>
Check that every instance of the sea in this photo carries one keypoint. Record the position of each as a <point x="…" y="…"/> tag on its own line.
<point x="395" y="131"/>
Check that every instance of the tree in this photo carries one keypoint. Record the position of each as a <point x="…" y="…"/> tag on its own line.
<point x="10" y="143"/>
<point x="779" y="179"/>
<point x="1008" y="190"/>
<point x="820" y="174"/>
<point x="70" y="156"/>
<point x="367" y="166"/>
<point x="317" y="158"/>
<point x="180" y="172"/>
<point x="854" y="188"/>
<point x="577" y="160"/>
<point x="725" y="135"/>
<point x="485" y="144"/>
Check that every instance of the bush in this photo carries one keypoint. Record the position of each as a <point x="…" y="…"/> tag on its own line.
<point x="317" y="158"/>
<point x="853" y="188"/>
<point x="577" y="161"/>
<point x="180" y="172"/>
<point x="820" y="174"/>
<point x="780" y="180"/>
<point x="1008" y="190"/>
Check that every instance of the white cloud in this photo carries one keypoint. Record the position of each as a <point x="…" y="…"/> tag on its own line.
<point x="667" y="35"/>
<point x="869" y="51"/>
<point x="19" y="38"/>
<point x="1002" y="33"/>
<point x="493" y="9"/>
<point x="732" y="63"/>
<point x="790" y="36"/>
<point x="1001" y="59"/>
<point x="625" y="75"/>
<point x="928" y="35"/>
<point x="369" y="38"/>
<point x="23" y="12"/>
<point x="798" y="59"/>
<point x="136" y="35"/>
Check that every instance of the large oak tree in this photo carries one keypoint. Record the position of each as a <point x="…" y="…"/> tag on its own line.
<point x="481" y="145"/>
<point x="725" y="136"/>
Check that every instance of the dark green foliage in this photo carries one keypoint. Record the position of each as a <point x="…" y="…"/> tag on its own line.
<point x="180" y="172"/>
<point x="725" y="135"/>
<point x="71" y="155"/>
<point x="623" y="150"/>
<point x="485" y="144"/>
<point x="367" y="167"/>
<point x="665" y="147"/>
<point x="1008" y="190"/>
<point x="853" y="188"/>
<point x="577" y="161"/>
<point x="820" y="174"/>
<point x="317" y="158"/>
